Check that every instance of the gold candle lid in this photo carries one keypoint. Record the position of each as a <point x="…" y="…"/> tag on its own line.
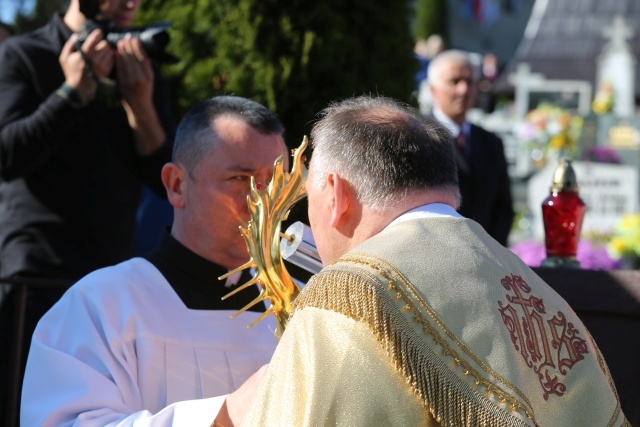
<point x="564" y="178"/>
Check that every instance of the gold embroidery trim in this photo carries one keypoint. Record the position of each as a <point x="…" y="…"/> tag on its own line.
<point x="382" y="267"/>
<point x="356" y="296"/>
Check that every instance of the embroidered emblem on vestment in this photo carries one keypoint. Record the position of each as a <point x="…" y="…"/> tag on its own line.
<point x="549" y="345"/>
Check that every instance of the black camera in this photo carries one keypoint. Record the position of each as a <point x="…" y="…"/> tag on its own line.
<point x="154" y="38"/>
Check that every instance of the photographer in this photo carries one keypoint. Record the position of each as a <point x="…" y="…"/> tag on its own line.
<point x="81" y="128"/>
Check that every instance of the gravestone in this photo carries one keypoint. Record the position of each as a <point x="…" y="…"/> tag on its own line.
<point x="616" y="73"/>
<point x="617" y="66"/>
<point x="533" y="88"/>
<point x="608" y="190"/>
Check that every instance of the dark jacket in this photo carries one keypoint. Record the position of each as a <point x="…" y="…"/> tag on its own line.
<point x="70" y="179"/>
<point x="485" y="185"/>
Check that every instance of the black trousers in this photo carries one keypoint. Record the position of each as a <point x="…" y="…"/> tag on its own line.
<point x="24" y="303"/>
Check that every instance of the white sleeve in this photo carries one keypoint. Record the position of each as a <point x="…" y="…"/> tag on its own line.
<point x="190" y="413"/>
<point x="82" y="372"/>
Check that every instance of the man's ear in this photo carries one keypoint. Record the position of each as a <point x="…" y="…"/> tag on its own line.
<point x="173" y="177"/>
<point x="430" y="87"/>
<point x="340" y="199"/>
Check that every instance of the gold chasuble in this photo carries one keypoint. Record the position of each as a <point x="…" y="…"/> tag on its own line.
<point x="431" y="322"/>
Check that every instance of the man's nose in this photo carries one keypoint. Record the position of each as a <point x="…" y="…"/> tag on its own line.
<point x="463" y="86"/>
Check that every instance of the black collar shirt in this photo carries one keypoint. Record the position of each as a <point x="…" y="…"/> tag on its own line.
<point x="195" y="279"/>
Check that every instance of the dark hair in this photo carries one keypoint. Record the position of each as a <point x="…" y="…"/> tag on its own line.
<point x="8" y="27"/>
<point x="89" y="8"/>
<point x="385" y="150"/>
<point x="194" y="136"/>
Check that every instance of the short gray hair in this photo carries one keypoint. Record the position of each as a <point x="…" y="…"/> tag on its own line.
<point x="436" y="65"/>
<point x="384" y="149"/>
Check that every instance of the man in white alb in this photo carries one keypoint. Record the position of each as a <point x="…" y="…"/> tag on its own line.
<point x="148" y="342"/>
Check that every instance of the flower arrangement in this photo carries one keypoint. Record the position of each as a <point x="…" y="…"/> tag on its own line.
<point x="625" y="239"/>
<point x="602" y="154"/>
<point x="604" y="98"/>
<point x="597" y="250"/>
<point x="550" y="131"/>
<point x="592" y="254"/>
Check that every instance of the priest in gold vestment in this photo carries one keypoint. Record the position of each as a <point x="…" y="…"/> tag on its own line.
<point x="419" y="318"/>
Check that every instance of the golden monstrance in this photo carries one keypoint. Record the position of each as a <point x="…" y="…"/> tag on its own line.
<point x="268" y="208"/>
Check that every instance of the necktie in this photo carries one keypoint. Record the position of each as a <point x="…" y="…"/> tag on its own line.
<point x="461" y="156"/>
<point x="460" y="142"/>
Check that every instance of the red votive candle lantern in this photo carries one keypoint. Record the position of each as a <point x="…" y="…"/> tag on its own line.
<point x="563" y="212"/>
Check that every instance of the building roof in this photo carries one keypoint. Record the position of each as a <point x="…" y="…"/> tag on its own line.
<point x="564" y="38"/>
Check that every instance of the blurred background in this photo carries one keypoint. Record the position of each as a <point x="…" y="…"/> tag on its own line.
<point x="557" y="78"/>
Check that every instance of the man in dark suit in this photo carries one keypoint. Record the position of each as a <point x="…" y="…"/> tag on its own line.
<point x="482" y="167"/>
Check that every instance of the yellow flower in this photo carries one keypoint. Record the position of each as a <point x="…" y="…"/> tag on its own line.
<point x="603" y="101"/>
<point x="558" y="141"/>
<point x="617" y="247"/>
<point x="629" y="224"/>
<point x="625" y="240"/>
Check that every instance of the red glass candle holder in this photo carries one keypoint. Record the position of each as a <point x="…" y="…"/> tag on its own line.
<point x="563" y="213"/>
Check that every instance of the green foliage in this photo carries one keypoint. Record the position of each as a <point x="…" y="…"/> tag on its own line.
<point x="291" y="55"/>
<point x="431" y="18"/>
<point x="41" y="14"/>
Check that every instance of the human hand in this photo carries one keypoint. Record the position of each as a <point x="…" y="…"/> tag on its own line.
<point x="100" y="56"/>
<point x="135" y="80"/>
<point x="236" y="405"/>
<point x="135" y="75"/>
